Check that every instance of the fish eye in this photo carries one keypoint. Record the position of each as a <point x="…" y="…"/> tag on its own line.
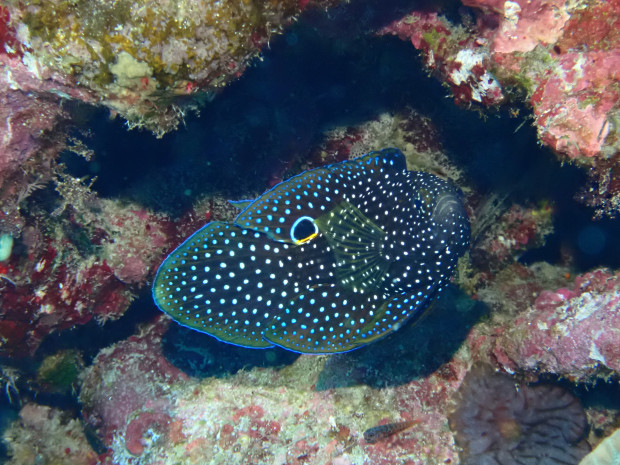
<point x="303" y="230"/>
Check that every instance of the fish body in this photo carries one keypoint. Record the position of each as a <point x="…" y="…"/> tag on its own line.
<point x="381" y="432"/>
<point x="324" y="262"/>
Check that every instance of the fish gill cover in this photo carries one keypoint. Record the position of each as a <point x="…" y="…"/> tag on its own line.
<point x="326" y="262"/>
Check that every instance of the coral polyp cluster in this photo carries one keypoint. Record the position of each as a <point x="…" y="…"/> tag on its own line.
<point x="500" y="422"/>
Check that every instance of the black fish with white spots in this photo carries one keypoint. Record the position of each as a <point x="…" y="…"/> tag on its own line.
<point x="325" y="262"/>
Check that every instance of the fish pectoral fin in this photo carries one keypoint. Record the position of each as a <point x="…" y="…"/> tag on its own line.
<point x="357" y="244"/>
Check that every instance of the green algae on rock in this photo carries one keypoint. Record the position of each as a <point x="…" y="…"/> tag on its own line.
<point x="60" y="371"/>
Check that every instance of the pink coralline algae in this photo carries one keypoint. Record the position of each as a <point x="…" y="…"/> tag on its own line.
<point x="575" y="105"/>
<point x="572" y="332"/>
<point x="98" y="257"/>
<point x="567" y="57"/>
<point x="53" y="296"/>
<point x="564" y="56"/>
<point x="26" y="123"/>
<point x="524" y="25"/>
<point x="461" y="61"/>
<point x="125" y="392"/>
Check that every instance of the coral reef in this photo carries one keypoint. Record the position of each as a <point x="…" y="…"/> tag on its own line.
<point x="460" y="58"/>
<point x="500" y="422"/>
<point x="316" y="409"/>
<point x="83" y="261"/>
<point x="127" y="388"/>
<point x="26" y="133"/>
<point x="571" y="332"/>
<point x="68" y="256"/>
<point x="547" y="50"/>
<point x="137" y="58"/>
<point x="31" y="137"/>
<point x="149" y="412"/>
<point x="409" y="130"/>
<point x="560" y="57"/>
<point x="46" y="435"/>
<point x="568" y="72"/>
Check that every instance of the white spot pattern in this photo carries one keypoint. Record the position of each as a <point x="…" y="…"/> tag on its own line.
<point x="343" y="288"/>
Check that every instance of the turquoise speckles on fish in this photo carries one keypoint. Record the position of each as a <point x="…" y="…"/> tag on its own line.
<point x="325" y="262"/>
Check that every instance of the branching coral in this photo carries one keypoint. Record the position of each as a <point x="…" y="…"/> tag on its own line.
<point x="500" y="422"/>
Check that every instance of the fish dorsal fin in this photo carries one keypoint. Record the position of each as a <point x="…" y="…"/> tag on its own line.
<point x="357" y="244"/>
<point x="386" y="159"/>
<point x="315" y="192"/>
<point x="241" y="204"/>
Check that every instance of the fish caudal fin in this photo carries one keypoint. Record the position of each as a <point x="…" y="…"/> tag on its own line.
<point x="224" y="281"/>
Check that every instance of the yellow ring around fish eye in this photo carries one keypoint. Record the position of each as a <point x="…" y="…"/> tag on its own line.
<point x="303" y="230"/>
<point x="312" y="236"/>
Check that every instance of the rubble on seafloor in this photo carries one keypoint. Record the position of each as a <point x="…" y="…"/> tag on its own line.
<point x="80" y="257"/>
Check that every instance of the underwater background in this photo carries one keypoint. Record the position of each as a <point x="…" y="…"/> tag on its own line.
<point x="127" y="126"/>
